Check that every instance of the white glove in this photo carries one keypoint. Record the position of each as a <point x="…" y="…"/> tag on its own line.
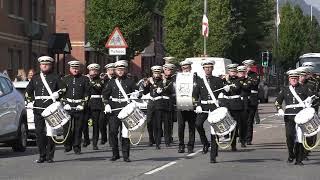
<point x="220" y="96"/>
<point x="107" y="109"/>
<point x="67" y="107"/>
<point x="280" y="112"/>
<point x="226" y="88"/>
<point x="79" y="108"/>
<point x="159" y="90"/>
<point x="134" y="95"/>
<point x="308" y="102"/>
<point x="30" y="105"/>
<point x="198" y="109"/>
<point x="55" y="95"/>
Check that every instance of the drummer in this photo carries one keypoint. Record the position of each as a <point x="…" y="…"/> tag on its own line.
<point x="74" y="101"/>
<point x="118" y="88"/>
<point x="187" y="116"/>
<point x="293" y="106"/>
<point x="37" y="92"/>
<point x="207" y="103"/>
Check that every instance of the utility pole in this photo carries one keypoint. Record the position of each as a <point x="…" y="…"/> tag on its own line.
<point x="204" y="37"/>
<point x="311" y="12"/>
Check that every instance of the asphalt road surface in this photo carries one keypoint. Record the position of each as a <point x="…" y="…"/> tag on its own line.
<point x="264" y="160"/>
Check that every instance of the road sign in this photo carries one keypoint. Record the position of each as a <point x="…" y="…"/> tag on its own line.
<point x="117" y="51"/>
<point x="116" y="40"/>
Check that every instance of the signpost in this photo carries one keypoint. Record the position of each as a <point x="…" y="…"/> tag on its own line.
<point x="116" y="44"/>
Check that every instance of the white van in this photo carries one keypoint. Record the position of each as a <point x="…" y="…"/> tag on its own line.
<point x="220" y="67"/>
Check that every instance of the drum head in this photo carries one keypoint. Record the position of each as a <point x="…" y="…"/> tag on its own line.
<point x="50" y="109"/>
<point x="217" y="115"/>
<point x="126" y="111"/>
<point x="304" y="115"/>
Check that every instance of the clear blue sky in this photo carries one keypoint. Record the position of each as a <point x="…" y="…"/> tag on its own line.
<point x="315" y="3"/>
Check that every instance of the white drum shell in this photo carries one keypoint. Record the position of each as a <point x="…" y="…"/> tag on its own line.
<point x="132" y="117"/>
<point x="308" y="121"/>
<point x="221" y="121"/>
<point x="55" y="115"/>
<point x="184" y="89"/>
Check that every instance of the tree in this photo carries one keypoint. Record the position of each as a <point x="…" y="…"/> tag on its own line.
<point x="133" y="17"/>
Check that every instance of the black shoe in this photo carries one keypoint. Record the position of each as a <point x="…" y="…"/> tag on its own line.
<point x="249" y="143"/>
<point x="157" y="146"/>
<point x="306" y="158"/>
<point x="126" y="160"/>
<point x="103" y="142"/>
<point x="40" y="160"/>
<point x="114" y="158"/>
<point x="243" y="145"/>
<point x="77" y="152"/>
<point x="299" y="163"/>
<point x="67" y="149"/>
<point x="86" y="143"/>
<point x="213" y="161"/>
<point x="234" y="148"/>
<point x="205" y="149"/>
<point x="290" y="160"/>
<point x="50" y="161"/>
<point x="95" y="148"/>
<point x="181" y="150"/>
<point x="150" y="144"/>
<point x="190" y="150"/>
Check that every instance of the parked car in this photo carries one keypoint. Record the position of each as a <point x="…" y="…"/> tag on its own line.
<point x="21" y="87"/>
<point x="13" y="116"/>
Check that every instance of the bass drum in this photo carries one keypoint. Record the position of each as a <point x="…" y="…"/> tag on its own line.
<point x="184" y="88"/>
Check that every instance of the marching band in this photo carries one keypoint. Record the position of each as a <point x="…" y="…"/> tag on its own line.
<point x="229" y="103"/>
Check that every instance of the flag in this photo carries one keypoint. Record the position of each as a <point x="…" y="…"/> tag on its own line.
<point x="205" y="26"/>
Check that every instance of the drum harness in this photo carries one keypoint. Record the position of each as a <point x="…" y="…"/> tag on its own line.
<point x="217" y="104"/>
<point x="128" y="100"/>
<point x="45" y="83"/>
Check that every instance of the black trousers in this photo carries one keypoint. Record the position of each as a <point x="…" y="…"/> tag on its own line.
<point x="103" y="123"/>
<point x="45" y="144"/>
<point x="295" y="150"/>
<point x="115" y="126"/>
<point x="201" y="117"/>
<point x="190" y="117"/>
<point x="236" y="114"/>
<point x="75" y="134"/>
<point x="160" y="117"/>
<point x="95" y="115"/>
<point x="214" y="147"/>
<point x="85" y="126"/>
<point x="251" y="114"/>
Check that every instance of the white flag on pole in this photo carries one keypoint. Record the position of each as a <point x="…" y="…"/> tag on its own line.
<point x="205" y="26"/>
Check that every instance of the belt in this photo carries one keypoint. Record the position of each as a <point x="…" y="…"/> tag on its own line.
<point x="118" y="100"/>
<point x="74" y="100"/>
<point x="42" y="97"/>
<point x="231" y="97"/>
<point x="208" y="102"/>
<point x="159" y="97"/>
<point x="294" y="106"/>
<point x="96" y="96"/>
<point x="254" y="92"/>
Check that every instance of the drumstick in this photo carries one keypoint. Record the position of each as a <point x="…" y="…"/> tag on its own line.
<point x="48" y="99"/>
<point x="34" y="107"/>
<point x="117" y="109"/>
<point x="135" y="92"/>
<point x="285" y="115"/>
<point x="233" y="85"/>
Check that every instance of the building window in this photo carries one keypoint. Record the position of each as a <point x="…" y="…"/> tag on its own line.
<point x="19" y="8"/>
<point x="10" y="56"/>
<point x="35" y="10"/>
<point x="10" y="7"/>
<point x="19" y="59"/>
<point x="43" y="15"/>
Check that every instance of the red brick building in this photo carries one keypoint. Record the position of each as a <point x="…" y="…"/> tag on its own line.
<point x="24" y="31"/>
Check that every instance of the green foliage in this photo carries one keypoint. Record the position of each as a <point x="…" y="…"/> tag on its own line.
<point x="132" y="16"/>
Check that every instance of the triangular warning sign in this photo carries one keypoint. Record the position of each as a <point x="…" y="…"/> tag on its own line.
<point x="116" y="40"/>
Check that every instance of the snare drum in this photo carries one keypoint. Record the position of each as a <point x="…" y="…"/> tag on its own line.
<point x="221" y="121"/>
<point x="132" y="117"/>
<point x="308" y="121"/>
<point x="184" y="89"/>
<point x="55" y="115"/>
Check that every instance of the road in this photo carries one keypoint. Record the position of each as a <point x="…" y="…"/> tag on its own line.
<point x="264" y="160"/>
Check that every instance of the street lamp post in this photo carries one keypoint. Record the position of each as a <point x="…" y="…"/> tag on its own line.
<point x="204" y="37"/>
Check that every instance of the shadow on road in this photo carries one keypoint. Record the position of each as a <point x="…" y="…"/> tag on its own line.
<point x="253" y="160"/>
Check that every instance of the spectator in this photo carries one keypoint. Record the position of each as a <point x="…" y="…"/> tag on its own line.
<point x="21" y="76"/>
<point x="31" y="72"/>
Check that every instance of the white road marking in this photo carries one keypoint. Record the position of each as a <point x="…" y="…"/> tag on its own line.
<point x="192" y="154"/>
<point x="161" y="168"/>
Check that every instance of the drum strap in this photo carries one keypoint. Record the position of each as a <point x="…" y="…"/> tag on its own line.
<point x="294" y="93"/>
<point x="210" y="91"/>
<point x="122" y="91"/>
<point x="45" y="83"/>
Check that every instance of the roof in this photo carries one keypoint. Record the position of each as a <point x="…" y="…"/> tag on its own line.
<point x="308" y="55"/>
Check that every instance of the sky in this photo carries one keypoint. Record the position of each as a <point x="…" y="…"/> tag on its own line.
<point x="315" y="3"/>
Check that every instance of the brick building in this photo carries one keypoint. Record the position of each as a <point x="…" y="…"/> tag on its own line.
<point x="25" y="28"/>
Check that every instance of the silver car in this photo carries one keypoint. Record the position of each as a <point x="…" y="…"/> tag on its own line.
<point x="13" y="116"/>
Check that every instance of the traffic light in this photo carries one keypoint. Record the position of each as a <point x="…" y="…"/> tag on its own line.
<point x="265" y="59"/>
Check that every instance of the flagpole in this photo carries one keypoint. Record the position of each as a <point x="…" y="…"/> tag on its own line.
<point x="277" y="19"/>
<point x="311" y="13"/>
<point x="204" y="37"/>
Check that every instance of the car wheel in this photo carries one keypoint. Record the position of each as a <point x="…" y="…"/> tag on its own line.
<point x="20" y="145"/>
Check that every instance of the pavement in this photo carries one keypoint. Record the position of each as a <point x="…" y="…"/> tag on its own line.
<point x="264" y="160"/>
